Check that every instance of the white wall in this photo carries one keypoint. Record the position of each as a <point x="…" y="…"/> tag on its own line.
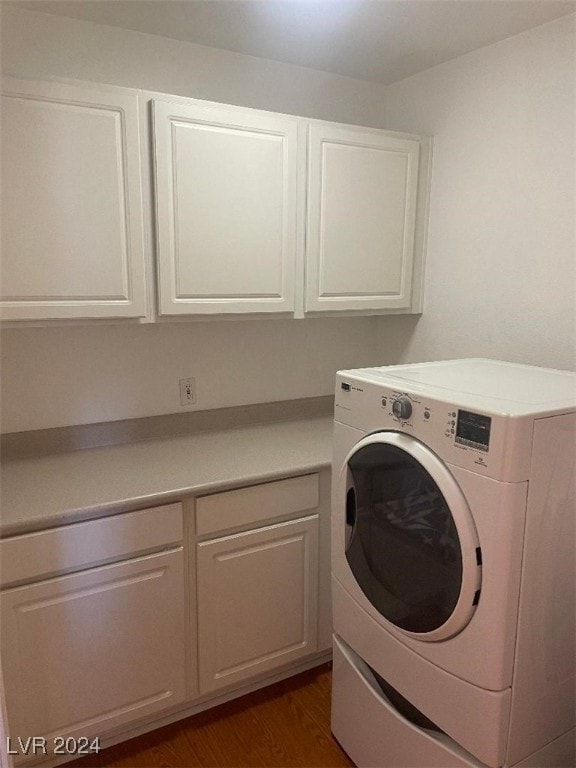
<point x="500" y="273"/>
<point x="500" y="278"/>
<point x="41" y="45"/>
<point x="73" y="375"/>
<point x="79" y="375"/>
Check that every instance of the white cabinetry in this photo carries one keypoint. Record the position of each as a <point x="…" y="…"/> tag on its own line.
<point x="362" y="200"/>
<point x="255" y="212"/>
<point x="226" y="208"/>
<point x="92" y="650"/>
<point x="257" y="589"/>
<point x="239" y="192"/>
<point x="72" y="211"/>
<point x="110" y="625"/>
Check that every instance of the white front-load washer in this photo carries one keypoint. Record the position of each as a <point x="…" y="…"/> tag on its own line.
<point x="453" y="565"/>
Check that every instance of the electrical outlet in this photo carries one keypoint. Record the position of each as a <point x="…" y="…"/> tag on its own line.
<point x="187" y="391"/>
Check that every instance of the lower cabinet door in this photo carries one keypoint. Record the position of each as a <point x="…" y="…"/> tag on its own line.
<point x="257" y="601"/>
<point x="87" y="652"/>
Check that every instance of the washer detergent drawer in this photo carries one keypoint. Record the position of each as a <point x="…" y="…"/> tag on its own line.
<point x="373" y="733"/>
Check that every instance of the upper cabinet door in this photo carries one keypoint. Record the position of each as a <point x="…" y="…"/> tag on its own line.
<point x="361" y="219"/>
<point x="226" y="209"/>
<point x="72" y="232"/>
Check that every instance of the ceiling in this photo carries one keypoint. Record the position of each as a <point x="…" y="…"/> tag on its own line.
<point x="378" y="40"/>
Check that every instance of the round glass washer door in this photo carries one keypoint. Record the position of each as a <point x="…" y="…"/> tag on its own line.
<point x="410" y="540"/>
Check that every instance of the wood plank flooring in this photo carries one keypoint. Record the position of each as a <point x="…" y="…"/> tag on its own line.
<point x="285" y="724"/>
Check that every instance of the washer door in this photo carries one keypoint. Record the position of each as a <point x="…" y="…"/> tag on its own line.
<point x="410" y="540"/>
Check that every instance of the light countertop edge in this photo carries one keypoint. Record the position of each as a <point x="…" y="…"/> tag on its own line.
<point x="49" y="491"/>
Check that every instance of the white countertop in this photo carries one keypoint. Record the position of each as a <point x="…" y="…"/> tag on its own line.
<point x="42" y="492"/>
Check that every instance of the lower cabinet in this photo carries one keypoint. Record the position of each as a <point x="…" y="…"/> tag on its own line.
<point x="102" y="647"/>
<point x="95" y="650"/>
<point x="257" y="601"/>
<point x="111" y="624"/>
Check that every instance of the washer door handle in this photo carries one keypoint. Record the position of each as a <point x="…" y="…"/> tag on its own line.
<point x="351" y="507"/>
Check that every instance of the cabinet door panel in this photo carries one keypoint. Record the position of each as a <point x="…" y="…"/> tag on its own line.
<point x="72" y="233"/>
<point x="88" y="652"/>
<point x="226" y="187"/>
<point x="361" y="220"/>
<point x="257" y="601"/>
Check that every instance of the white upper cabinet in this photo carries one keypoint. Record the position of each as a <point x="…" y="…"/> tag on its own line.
<point x="362" y="201"/>
<point x="254" y="212"/>
<point x="72" y="210"/>
<point x="226" y="183"/>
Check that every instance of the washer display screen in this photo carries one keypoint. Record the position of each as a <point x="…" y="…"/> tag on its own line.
<point x="473" y="430"/>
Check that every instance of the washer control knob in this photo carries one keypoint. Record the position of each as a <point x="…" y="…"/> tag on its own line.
<point x="402" y="407"/>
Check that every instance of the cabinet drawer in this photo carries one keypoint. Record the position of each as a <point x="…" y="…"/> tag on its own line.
<point x="83" y="545"/>
<point x="258" y="503"/>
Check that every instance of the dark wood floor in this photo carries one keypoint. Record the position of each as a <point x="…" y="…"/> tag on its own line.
<point x="286" y="724"/>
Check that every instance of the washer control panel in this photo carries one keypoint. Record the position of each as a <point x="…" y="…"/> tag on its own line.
<point x="471" y="430"/>
<point x="410" y="413"/>
<point x="456" y="431"/>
